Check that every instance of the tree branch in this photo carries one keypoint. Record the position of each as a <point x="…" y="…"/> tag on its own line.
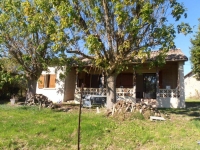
<point x="108" y="28"/>
<point x="80" y="53"/>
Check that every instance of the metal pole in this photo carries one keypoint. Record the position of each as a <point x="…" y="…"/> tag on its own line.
<point x="79" y="119"/>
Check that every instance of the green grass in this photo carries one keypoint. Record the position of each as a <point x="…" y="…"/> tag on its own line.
<point x="192" y="100"/>
<point x="28" y="128"/>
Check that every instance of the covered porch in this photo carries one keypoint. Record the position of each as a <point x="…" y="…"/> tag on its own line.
<point x="164" y="84"/>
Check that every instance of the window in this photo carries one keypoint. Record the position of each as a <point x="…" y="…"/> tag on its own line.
<point x="47" y="81"/>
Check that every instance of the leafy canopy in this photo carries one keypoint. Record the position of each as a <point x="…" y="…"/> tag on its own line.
<point x="27" y="32"/>
<point x="9" y="72"/>
<point x="114" y="33"/>
<point x="195" y="53"/>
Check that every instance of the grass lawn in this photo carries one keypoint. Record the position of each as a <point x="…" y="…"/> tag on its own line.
<point x="192" y="102"/>
<point x="30" y="129"/>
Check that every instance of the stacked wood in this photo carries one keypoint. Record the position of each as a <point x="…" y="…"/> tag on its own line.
<point x="151" y="102"/>
<point x="39" y="99"/>
<point x="123" y="106"/>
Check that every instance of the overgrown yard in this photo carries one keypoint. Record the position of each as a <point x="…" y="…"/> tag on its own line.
<point x="28" y="128"/>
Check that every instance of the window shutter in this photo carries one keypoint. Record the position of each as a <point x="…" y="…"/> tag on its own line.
<point x="52" y="82"/>
<point x="41" y="82"/>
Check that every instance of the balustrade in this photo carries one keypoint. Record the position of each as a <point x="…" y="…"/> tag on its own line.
<point x="121" y="92"/>
<point x="172" y="93"/>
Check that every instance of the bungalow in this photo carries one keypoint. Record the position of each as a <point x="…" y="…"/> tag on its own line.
<point x="164" y="84"/>
<point x="192" y="86"/>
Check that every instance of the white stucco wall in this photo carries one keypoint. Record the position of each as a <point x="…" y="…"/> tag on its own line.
<point x="54" y="94"/>
<point x="170" y="103"/>
<point x="192" y="86"/>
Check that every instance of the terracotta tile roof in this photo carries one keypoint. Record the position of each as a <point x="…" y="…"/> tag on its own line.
<point x="172" y="55"/>
<point x="189" y="74"/>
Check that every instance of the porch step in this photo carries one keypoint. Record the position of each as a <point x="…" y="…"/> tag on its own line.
<point x="152" y="118"/>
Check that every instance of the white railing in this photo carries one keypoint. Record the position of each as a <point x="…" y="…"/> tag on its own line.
<point x="99" y="91"/>
<point x="172" y="93"/>
<point x="91" y="91"/>
<point x="121" y="92"/>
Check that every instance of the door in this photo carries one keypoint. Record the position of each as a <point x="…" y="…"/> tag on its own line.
<point x="149" y="85"/>
<point x="95" y="81"/>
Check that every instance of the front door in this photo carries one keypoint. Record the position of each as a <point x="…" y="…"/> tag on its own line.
<point x="149" y="85"/>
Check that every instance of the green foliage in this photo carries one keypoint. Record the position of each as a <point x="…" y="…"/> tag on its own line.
<point x="93" y="44"/>
<point x="195" y="54"/>
<point x="110" y="34"/>
<point x="114" y="33"/>
<point x="28" y="31"/>
<point x="10" y="75"/>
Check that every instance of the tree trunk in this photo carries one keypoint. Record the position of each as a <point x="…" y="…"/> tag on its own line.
<point x="111" y="90"/>
<point x="31" y="88"/>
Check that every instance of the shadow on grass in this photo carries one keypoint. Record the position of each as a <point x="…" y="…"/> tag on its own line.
<point x="196" y="119"/>
<point x="4" y="101"/>
<point x="192" y="109"/>
<point x="192" y="104"/>
<point x="63" y="109"/>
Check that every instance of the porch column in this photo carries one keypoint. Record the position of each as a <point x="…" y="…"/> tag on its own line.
<point x="76" y="82"/>
<point x="181" y="85"/>
<point x="70" y="86"/>
<point x="134" y="84"/>
<point x="157" y="83"/>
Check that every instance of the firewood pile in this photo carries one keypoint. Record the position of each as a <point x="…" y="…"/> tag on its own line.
<point x="123" y="106"/>
<point x="39" y="99"/>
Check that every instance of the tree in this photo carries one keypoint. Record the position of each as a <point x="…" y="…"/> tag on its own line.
<point x="11" y="80"/>
<point x="110" y="33"/>
<point x="113" y="33"/>
<point x="27" y="32"/>
<point x="8" y="70"/>
<point x="195" y="53"/>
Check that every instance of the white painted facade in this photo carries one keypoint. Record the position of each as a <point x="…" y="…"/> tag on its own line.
<point x="54" y="94"/>
<point x="192" y="86"/>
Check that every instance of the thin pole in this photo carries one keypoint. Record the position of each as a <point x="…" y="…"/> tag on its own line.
<point x="79" y="118"/>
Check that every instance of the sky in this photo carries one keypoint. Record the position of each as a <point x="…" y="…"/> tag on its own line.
<point x="182" y="41"/>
